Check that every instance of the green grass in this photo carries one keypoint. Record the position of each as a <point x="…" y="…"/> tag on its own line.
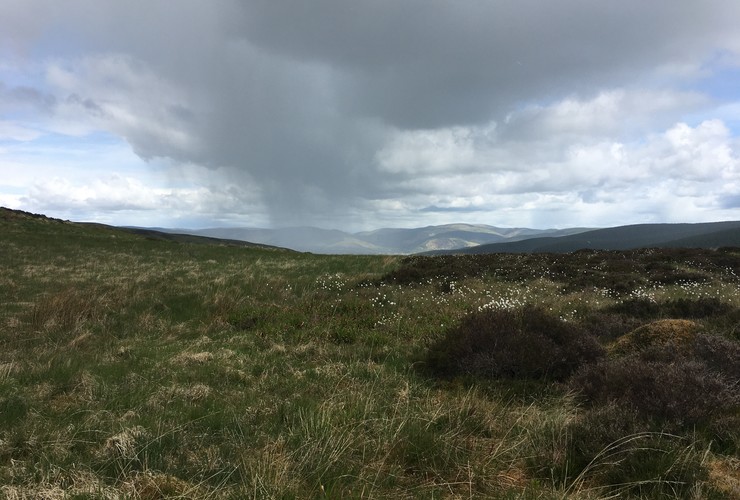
<point x="139" y="368"/>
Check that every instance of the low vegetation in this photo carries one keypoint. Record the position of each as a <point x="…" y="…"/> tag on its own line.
<point x="523" y="343"/>
<point x="133" y="367"/>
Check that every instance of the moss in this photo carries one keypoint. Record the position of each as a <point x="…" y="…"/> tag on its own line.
<point x="677" y="333"/>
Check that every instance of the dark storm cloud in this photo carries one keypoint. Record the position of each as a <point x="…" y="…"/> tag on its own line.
<point x="431" y="63"/>
<point x="730" y="201"/>
<point x="332" y="72"/>
<point x="88" y="104"/>
<point x="21" y="98"/>
<point x="300" y="97"/>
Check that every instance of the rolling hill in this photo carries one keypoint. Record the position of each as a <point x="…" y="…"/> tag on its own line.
<point x="702" y="235"/>
<point x="380" y="241"/>
<point x="449" y="238"/>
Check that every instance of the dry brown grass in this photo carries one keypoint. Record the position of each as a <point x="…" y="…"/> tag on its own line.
<point x="677" y="333"/>
<point x="724" y="474"/>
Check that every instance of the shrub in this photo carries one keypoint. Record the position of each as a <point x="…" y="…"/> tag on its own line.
<point x="727" y="325"/>
<point x="703" y="307"/>
<point x="636" y="308"/>
<point x="662" y="384"/>
<point x="617" y="282"/>
<point x="719" y="353"/>
<point x="13" y="408"/>
<point x="523" y="343"/>
<point x="607" y="327"/>
<point x="565" y="451"/>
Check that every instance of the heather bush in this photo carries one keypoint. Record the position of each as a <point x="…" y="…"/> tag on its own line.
<point x="702" y="307"/>
<point x="598" y="435"/>
<point x="607" y="327"/>
<point x="618" y="283"/>
<point x="566" y="449"/>
<point x="719" y="353"/>
<point x="685" y="308"/>
<point x="620" y="273"/>
<point x="521" y="343"/>
<point x="636" y="307"/>
<point x="661" y="384"/>
<point x="418" y="269"/>
<point x="727" y="325"/>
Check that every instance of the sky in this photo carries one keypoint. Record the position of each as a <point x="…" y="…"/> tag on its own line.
<point x="357" y="115"/>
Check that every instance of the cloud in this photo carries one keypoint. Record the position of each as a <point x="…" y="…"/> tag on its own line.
<point x="346" y="113"/>
<point x="98" y="178"/>
<point x="118" y="93"/>
<point x="19" y="99"/>
<point x="730" y="201"/>
<point x="703" y="153"/>
<point x="687" y="163"/>
<point x="435" y="150"/>
<point x="102" y="199"/>
<point x="17" y="132"/>
<point x="425" y="64"/>
<point x="626" y="113"/>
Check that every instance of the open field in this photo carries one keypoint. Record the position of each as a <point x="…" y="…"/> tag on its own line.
<point x="141" y="368"/>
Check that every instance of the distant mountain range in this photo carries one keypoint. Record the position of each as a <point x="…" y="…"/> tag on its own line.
<point x="380" y="241"/>
<point x="449" y="238"/>
<point x="479" y="238"/>
<point x="703" y="235"/>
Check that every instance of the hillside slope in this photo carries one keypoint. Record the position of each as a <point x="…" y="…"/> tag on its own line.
<point x="702" y="235"/>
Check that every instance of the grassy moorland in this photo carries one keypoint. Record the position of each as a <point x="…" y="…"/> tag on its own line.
<point x="132" y="367"/>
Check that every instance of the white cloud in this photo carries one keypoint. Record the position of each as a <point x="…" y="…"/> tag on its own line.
<point x="17" y="132"/>
<point x="587" y="173"/>
<point x="121" y="200"/>
<point x="429" y="151"/>
<point x="703" y="153"/>
<point x="118" y="93"/>
<point x="99" y="179"/>
<point x="622" y="113"/>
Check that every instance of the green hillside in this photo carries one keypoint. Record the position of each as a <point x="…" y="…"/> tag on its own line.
<point x="134" y="366"/>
